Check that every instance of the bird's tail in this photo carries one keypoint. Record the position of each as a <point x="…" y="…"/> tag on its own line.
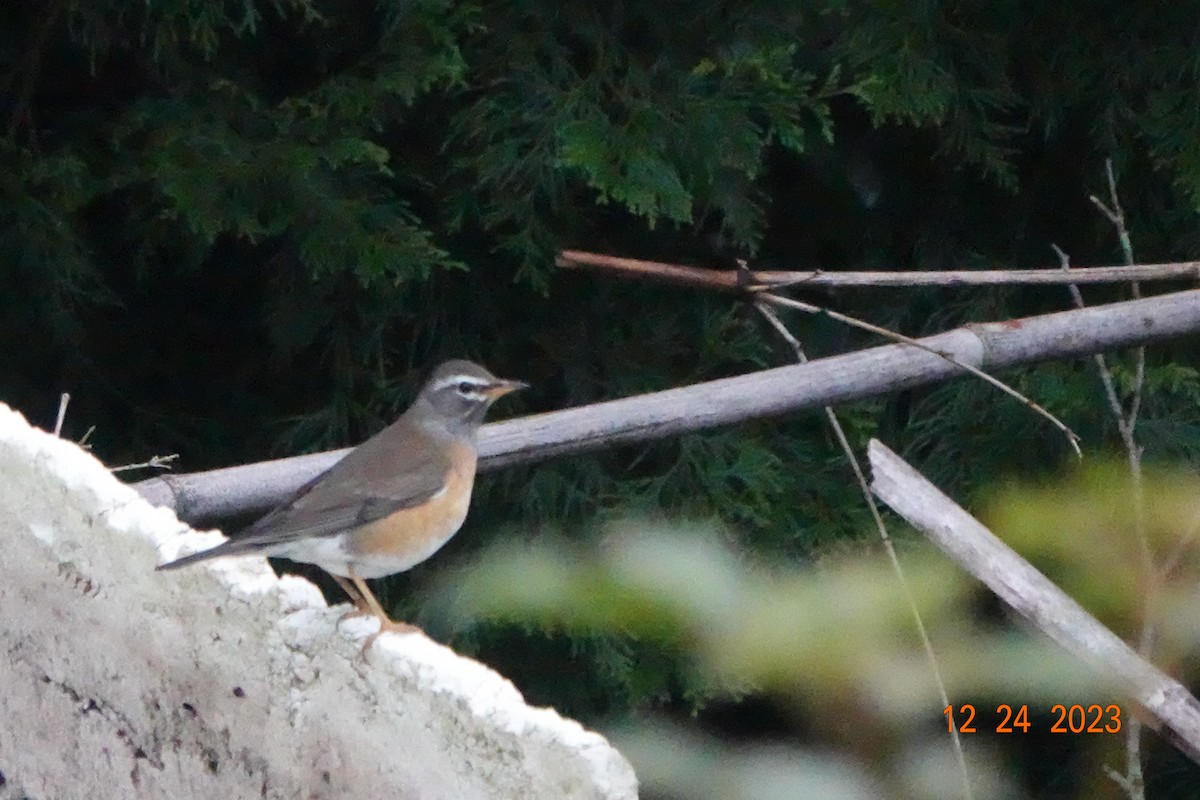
<point x="230" y="548"/>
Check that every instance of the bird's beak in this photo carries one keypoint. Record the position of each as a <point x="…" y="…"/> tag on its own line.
<point x="501" y="388"/>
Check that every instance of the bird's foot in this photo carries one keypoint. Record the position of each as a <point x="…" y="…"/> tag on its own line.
<point x="388" y="626"/>
<point x="357" y="611"/>
<point x="366" y="605"/>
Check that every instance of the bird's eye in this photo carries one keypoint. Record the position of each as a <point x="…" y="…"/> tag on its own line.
<point x="466" y="388"/>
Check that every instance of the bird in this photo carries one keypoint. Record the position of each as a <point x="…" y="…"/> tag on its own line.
<point x="392" y="502"/>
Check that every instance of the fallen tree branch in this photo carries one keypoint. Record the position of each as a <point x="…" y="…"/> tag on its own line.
<point x="730" y="280"/>
<point x="254" y="488"/>
<point x="1166" y="704"/>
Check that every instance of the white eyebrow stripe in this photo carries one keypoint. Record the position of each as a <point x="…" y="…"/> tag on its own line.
<point x="454" y="380"/>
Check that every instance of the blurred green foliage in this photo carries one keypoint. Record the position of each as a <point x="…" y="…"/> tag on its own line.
<point x="834" y="642"/>
<point x="241" y="229"/>
<point x="1127" y="552"/>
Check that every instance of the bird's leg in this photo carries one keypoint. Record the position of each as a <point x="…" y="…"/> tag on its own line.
<point x="373" y="606"/>
<point x="361" y="608"/>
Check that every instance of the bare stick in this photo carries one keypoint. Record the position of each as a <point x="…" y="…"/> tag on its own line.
<point x="1133" y="781"/>
<point x="1106" y="376"/>
<point x="922" y="632"/>
<point x="728" y="280"/>
<point x="723" y="280"/>
<point x="1115" y="214"/>
<point x="1072" y="437"/>
<point x="1164" y="703"/>
<point x="62" y="412"/>
<point x="155" y="462"/>
<point x="1125" y="423"/>
<point x="206" y="496"/>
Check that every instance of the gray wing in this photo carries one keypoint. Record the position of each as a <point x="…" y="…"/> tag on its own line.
<point x="376" y="479"/>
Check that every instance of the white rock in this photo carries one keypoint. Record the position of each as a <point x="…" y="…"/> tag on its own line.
<point x="224" y="681"/>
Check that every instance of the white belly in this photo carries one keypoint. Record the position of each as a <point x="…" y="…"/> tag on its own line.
<point x="341" y="553"/>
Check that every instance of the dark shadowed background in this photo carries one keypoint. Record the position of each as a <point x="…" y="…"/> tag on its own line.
<point x="234" y="230"/>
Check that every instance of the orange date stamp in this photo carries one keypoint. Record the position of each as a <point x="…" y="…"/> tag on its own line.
<point x="1074" y="718"/>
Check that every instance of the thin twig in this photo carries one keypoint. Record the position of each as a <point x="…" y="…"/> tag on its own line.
<point x="1116" y="215"/>
<point x="62" y="412"/>
<point x="1120" y="780"/>
<point x="729" y="280"/>
<point x="1133" y="781"/>
<point x="155" y="462"/>
<point x="1072" y="437"/>
<point x="881" y="526"/>
<point x="1106" y="376"/>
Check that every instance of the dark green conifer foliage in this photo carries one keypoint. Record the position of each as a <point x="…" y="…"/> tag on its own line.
<point x="241" y="229"/>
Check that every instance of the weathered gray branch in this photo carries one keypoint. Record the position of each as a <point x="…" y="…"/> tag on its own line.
<point x="732" y="280"/>
<point x="1167" y="705"/>
<point x="827" y="381"/>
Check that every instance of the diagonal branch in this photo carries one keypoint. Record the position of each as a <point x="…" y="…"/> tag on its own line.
<point x="826" y="381"/>
<point x="1165" y="703"/>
